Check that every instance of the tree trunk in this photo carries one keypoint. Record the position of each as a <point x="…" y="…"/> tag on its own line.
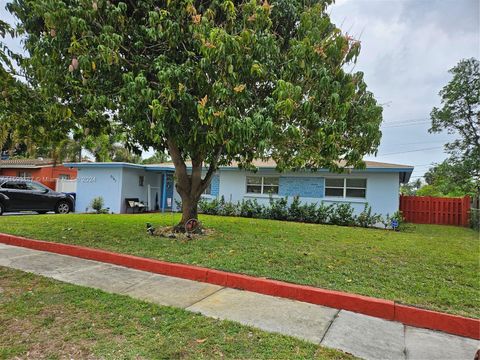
<point x="189" y="211"/>
<point x="190" y="186"/>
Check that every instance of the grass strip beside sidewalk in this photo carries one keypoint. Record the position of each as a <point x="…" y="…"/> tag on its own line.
<point x="44" y="318"/>
<point x="430" y="266"/>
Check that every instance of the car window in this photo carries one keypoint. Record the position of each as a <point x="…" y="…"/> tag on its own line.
<point x="22" y="185"/>
<point x="35" y="187"/>
<point x="8" y="185"/>
<point x="15" y="185"/>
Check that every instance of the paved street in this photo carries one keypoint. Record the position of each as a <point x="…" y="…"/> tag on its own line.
<point x="364" y="336"/>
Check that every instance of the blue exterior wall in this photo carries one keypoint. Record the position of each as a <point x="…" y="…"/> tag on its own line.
<point x="382" y="188"/>
<point x="215" y="185"/>
<point x="95" y="182"/>
<point x="310" y="187"/>
<point x="114" y="184"/>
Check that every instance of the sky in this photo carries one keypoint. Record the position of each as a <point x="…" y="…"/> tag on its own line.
<point x="408" y="46"/>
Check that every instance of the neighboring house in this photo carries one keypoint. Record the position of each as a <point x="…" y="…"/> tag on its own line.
<point x="45" y="171"/>
<point x="378" y="185"/>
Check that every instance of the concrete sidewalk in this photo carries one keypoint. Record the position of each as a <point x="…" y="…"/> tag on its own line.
<point x="364" y="336"/>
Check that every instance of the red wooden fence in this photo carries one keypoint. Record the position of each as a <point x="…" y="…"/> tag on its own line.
<point x="435" y="210"/>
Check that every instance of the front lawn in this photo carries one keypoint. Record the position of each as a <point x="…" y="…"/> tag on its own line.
<point x="46" y="319"/>
<point x="436" y="267"/>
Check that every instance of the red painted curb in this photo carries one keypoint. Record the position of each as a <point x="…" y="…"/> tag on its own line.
<point x="380" y="308"/>
<point x="434" y="320"/>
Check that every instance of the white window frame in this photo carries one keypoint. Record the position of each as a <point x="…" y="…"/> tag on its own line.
<point x="261" y="193"/>
<point x="344" y="196"/>
<point x="24" y="175"/>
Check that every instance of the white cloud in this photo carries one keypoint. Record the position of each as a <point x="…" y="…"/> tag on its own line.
<point x="407" y="49"/>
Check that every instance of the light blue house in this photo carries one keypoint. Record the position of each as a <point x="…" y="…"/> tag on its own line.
<point x="378" y="185"/>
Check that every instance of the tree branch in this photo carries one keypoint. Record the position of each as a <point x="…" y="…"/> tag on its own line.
<point x="183" y="181"/>
<point x="212" y="168"/>
<point x="196" y="178"/>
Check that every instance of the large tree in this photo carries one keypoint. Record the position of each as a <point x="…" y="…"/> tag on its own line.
<point x="24" y="108"/>
<point x="460" y="115"/>
<point x="209" y="81"/>
<point x="411" y="187"/>
<point x="449" y="178"/>
<point x="157" y="158"/>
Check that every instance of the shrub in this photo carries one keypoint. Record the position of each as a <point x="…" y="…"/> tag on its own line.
<point x="278" y="209"/>
<point x="323" y="213"/>
<point x="250" y="208"/>
<point x="218" y="207"/>
<point x="97" y="205"/>
<point x="295" y="211"/>
<point x="302" y="212"/>
<point x="210" y="207"/>
<point x="228" y="209"/>
<point x="386" y="221"/>
<point x="342" y="214"/>
<point x="310" y="213"/>
<point x="366" y="218"/>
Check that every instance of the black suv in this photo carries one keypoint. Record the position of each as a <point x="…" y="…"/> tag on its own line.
<point x="26" y="195"/>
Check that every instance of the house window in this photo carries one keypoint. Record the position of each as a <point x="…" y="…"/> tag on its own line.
<point x="262" y="185"/>
<point x="346" y="187"/>
<point x="141" y="180"/>
<point x="64" y="177"/>
<point x="334" y="187"/>
<point x="356" y="188"/>
<point x="24" y="175"/>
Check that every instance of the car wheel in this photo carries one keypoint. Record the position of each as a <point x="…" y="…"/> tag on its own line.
<point x="63" y="207"/>
<point x="1" y="209"/>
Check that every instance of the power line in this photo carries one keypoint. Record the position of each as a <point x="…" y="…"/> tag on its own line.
<point x="407" y="124"/>
<point x="422" y="142"/>
<point x="410" y="151"/>
<point x="406" y="120"/>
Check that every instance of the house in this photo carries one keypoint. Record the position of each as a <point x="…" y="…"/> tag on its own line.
<point x="45" y="171"/>
<point x="378" y="185"/>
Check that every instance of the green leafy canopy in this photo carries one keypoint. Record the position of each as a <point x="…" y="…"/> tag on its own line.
<point x="214" y="80"/>
<point x="209" y="81"/>
<point x="30" y="122"/>
<point x="460" y="115"/>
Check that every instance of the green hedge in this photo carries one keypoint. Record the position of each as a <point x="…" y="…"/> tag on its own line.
<point x="278" y="209"/>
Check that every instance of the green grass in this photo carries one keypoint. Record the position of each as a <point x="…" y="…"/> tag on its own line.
<point x="44" y="318"/>
<point x="435" y="267"/>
